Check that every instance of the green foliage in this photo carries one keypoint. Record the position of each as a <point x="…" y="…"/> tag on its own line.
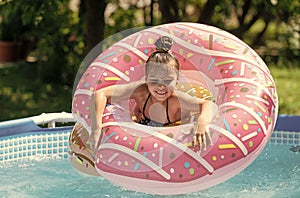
<point x="11" y="22"/>
<point x="58" y="38"/>
<point x="53" y="29"/>
<point x="22" y="96"/>
<point x="123" y="19"/>
<point x="59" y="48"/>
<point x="287" y="84"/>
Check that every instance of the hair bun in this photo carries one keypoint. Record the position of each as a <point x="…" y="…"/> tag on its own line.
<point x="164" y="44"/>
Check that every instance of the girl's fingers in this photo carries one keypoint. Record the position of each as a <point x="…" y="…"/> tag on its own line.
<point x="194" y="140"/>
<point x="204" y="140"/>
<point x="199" y="142"/>
<point x="200" y="139"/>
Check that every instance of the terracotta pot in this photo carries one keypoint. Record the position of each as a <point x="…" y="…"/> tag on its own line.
<point x="9" y="51"/>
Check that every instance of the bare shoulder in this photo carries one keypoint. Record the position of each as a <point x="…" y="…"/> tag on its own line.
<point x="174" y="102"/>
<point x="140" y="91"/>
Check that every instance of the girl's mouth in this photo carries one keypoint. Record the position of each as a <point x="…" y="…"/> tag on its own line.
<point x="161" y="92"/>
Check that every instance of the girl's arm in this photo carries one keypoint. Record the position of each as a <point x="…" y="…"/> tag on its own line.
<point x="98" y="103"/>
<point x="207" y="111"/>
<point x="99" y="100"/>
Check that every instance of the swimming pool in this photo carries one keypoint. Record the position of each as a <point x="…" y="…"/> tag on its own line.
<point x="34" y="163"/>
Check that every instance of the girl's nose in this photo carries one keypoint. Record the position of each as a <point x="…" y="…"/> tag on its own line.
<point x="161" y="85"/>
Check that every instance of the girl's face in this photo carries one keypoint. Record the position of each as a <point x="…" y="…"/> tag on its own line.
<point x="161" y="84"/>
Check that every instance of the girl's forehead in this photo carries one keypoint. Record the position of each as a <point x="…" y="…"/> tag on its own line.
<point x="161" y="70"/>
<point x="162" y="76"/>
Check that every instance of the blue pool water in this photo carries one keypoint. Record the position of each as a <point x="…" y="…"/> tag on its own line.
<point x="275" y="173"/>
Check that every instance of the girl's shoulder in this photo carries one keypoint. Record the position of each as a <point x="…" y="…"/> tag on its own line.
<point x="141" y="90"/>
<point x="174" y="100"/>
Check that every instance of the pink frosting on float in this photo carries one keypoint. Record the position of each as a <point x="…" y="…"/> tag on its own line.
<point x="161" y="160"/>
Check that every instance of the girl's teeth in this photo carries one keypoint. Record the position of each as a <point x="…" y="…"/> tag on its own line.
<point x="161" y="92"/>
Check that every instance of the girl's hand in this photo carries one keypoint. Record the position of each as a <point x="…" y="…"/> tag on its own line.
<point x="201" y="133"/>
<point x="94" y="140"/>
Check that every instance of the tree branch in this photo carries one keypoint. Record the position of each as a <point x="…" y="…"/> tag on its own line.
<point x="259" y="37"/>
<point x="207" y="12"/>
<point x="245" y="8"/>
<point x="166" y="7"/>
<point x="94" y="22"/>
<point x="243" y="27"/>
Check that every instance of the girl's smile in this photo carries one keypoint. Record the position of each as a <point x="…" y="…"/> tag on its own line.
<point x="161" y="87"/>
<point x="160" y="92"/>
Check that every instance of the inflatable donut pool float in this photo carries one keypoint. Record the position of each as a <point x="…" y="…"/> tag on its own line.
<point x="161" y="160"/>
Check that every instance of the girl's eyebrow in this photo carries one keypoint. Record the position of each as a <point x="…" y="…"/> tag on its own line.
<point x="160" y="77"/>
<point x="154" y="78"/>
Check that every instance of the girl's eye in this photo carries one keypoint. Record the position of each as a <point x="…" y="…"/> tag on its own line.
<point x="163" y="82"/>
<point x="167" y="82"/>
<point x="154" y="81"/>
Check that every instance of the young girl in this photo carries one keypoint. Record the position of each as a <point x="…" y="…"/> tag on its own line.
<point x="158" y="103"/>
